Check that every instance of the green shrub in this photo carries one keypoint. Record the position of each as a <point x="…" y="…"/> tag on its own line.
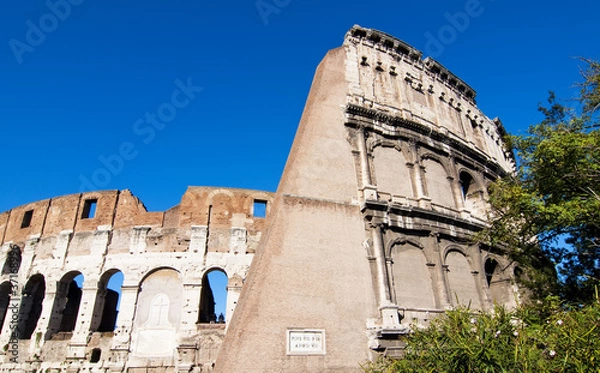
<point x="540" y="338"/>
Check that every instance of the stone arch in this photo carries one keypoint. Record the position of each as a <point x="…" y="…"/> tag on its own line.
<point x="492" y="270"/>
<point x="66" y="304"/>
<point x="106" y="307"/>
<point x="412" y="277"/>
<point x="5" y="293"/>
<point x="461" y="279"/>
<point x="498" y="280"/>
<point x="437" y="180"/>
<point x="31" y="306"/>
<point x="472" y="193"/>
<point x="208" y="298"/>
<point x="391" y="173"/>
<point x="158" y="313"/>
<point x="13" y="260"/>
<point x="401" y="240"/>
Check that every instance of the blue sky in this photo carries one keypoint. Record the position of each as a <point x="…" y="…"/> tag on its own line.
<point x="79" y="92"/>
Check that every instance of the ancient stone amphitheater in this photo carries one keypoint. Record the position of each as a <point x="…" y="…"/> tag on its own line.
<point x="370" y="232"/>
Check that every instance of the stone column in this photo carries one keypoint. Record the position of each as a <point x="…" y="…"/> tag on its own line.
<point x="78" y="342"/>
<point x="442" y="288"/>
<point x="122" y="337"/>
<point x="388" y="310"/>
<point x="369" y="190"/>
<point x="364" y="157"/>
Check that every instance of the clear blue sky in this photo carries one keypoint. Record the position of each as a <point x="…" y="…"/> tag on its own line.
<point x="76" y="92"/>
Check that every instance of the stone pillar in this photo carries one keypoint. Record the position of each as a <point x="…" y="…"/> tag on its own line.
<point x="366" y="183"/>
<point x="191" y="296"/>
<point x="27" y="257"/>
<point x="237" y="240"/>
<point x="124" y="325"/>
<point x="41" y="329"/>
<point x="198" y="239"/>
<point x="388" y="310"/>
<point x="59" y="251"/>
<point x="137" y="244"/>
<point x="364" y="158"/>
<point x="101" y="238"/>
<point x="234" y="289"/>
<point x="480" y="281"/>
<point x="121" y="343"/>
<point x="78" y="342"/>
<point x="442" y="288"/>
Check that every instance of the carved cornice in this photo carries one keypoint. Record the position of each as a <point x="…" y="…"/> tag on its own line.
<point x="422" y="220"/>
<point x="399" y="49"/>
<point x="364" y="117"/>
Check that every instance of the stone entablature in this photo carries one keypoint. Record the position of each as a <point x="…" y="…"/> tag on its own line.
<point x="98" y="234"/>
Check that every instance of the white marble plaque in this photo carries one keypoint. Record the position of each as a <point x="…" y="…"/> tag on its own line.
<point x="306" y="342"/>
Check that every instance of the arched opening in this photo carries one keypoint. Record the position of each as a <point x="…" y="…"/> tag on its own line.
<point x="5" y="293"/>
<point x="158" y="314"/>
<point x="465" y="184"/>
<point x="391" y="173"/>
<point x="491" y="267"/>
<point x="518" y="272"/>
<point x="473" y="199"/>
<point x="499" y="287"/>
<point x="95" y="355"/>
<point x="66" y="304"/>
<point x="13" y="260"/>
<point x="106" y="308"/>
<point x="463" y="288"/>
<point x="413" y="284"/>
<point x="439" y="188"/>
<point x="31" y="306"/>
<point x="213" y="298"/>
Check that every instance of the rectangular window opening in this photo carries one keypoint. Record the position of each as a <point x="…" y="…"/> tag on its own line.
<point x="27" y="219"/>
<point x="260" y="209"/>
<point x="89" y="209"/>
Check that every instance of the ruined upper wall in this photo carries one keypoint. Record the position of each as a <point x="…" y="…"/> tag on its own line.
<point x="388" y="76"/>
<point x="117" y="210"/>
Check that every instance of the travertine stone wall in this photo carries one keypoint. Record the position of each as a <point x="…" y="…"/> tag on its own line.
<point x="163" y="257"/>
<point x="386" y="181"/>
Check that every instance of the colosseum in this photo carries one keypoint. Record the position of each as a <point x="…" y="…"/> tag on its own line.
<point x="370" y="232"/>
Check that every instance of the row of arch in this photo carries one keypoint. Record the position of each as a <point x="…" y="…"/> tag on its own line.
<point x="398" y="174"/>
<point x="68" y="296"/>
<point x="413" y="278"/>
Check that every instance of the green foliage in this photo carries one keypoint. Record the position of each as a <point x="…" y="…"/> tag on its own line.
<point x="555" y="196"/>
<point x="542" y="338"/>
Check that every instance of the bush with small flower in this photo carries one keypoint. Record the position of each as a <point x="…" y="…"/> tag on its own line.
<point x="543" y="337"/>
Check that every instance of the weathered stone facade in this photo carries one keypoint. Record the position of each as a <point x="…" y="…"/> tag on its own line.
<point x="372" y="222"/>
<point x="370" y="231"/>
<point x="163" y="257"/>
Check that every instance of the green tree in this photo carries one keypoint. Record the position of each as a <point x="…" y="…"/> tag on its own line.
<point x="548" y="213"/>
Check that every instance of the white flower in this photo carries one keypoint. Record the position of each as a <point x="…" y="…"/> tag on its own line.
<point x="516" y="333"/>
<point x="559" y="322"/>
<point x="552" y="353"/>
<point x="497" y="334"/>
<point x="473" y="321"/>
